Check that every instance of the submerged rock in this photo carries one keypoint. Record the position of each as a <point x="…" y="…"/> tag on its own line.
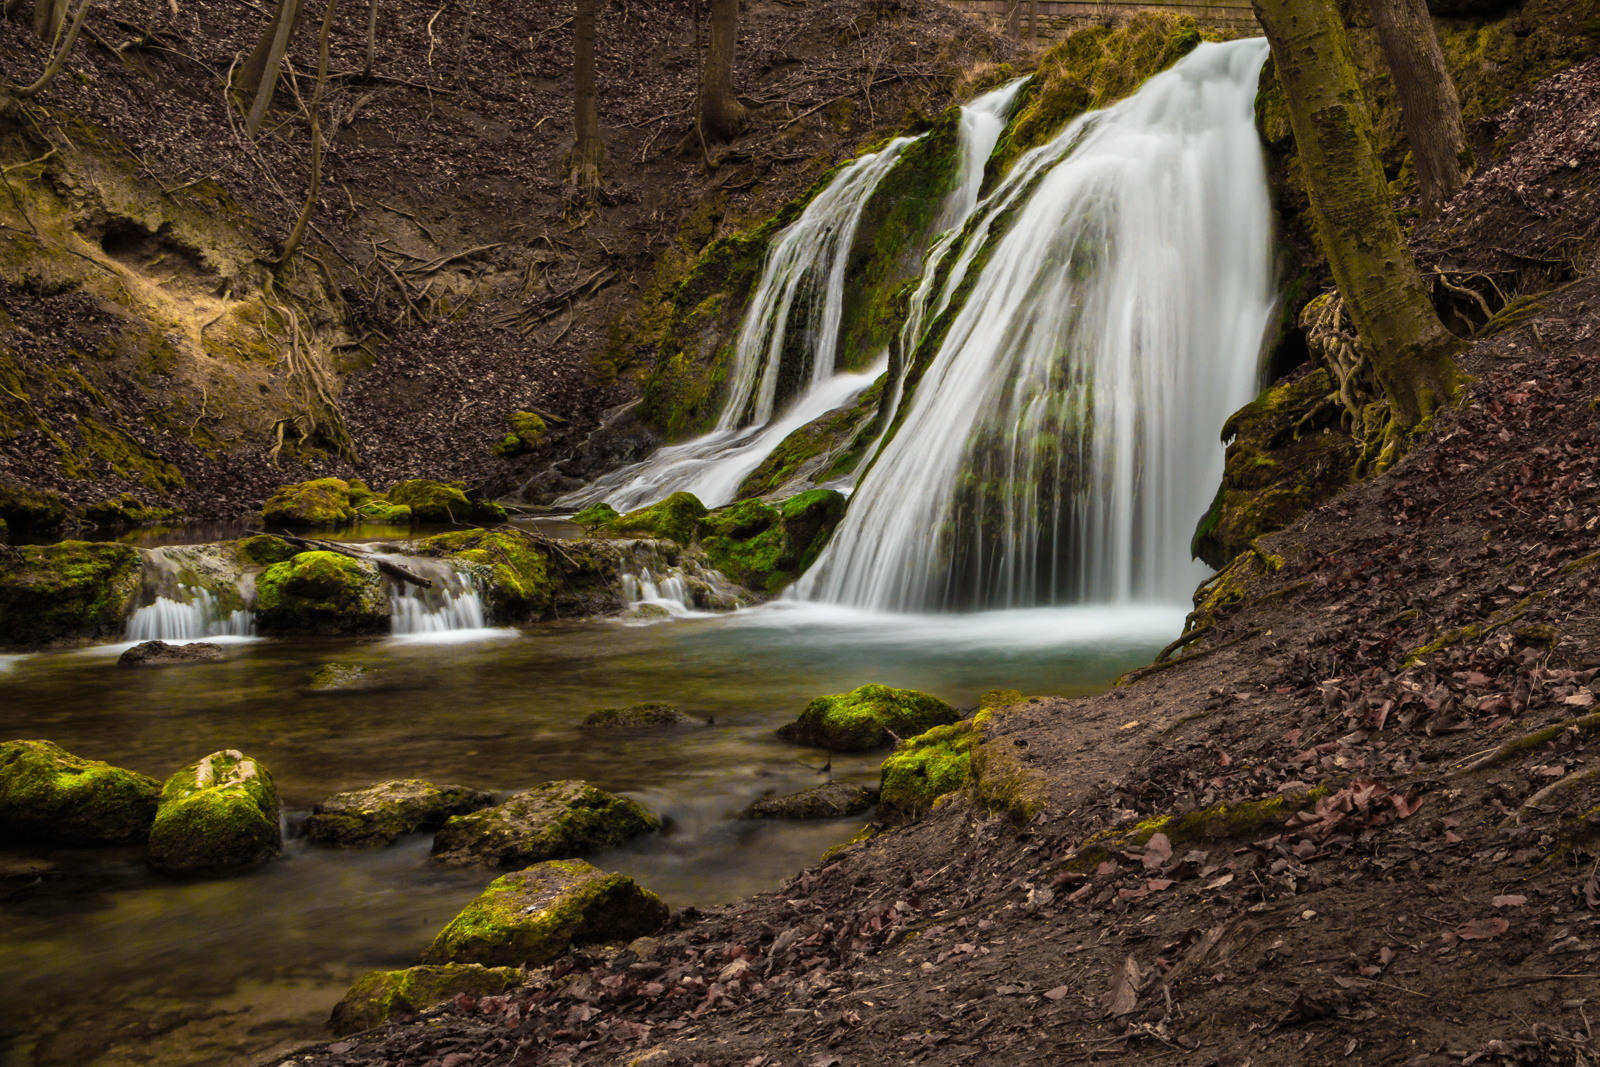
<point x="73" y="589"/>
<point x="47" y="794"/>
<point x="322" y="502"/>
<point x="554" y="821"/>
<point x="637" y="717"/>
<point x="382" y="814"/>
<point x="829" y="801"/>
<point x="155" y="653"/>
<point x="864" y="718"/>
<point x="533" y="916"/>
<point x="343" y="676"/>
<point x="382" y="995"/>
<point x="322" y="593"/>
<point x="216" y="815"/>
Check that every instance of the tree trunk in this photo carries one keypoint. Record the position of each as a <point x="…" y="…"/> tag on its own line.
<point x="53" y="67"/>
<point x="372" y="39"/>
<point x="259" y="77"/>
<point x="48" y="17"/>
<point x="315" y="192"/>
<point x="1412" y="353"/>
<point x="721" y="115"/>
<point x="1014" y="20"/>
<point x="588" y="151"/>
<point x="1429" y="105"/>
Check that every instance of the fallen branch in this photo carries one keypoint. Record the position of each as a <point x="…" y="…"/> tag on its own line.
<point x="389" y="567"/>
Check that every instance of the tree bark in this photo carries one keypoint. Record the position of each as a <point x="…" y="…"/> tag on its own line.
<point x="722" y="117"/>
<point x="48" y="18"/>
<point x="258" y="79"/>
<point x="1429" y="106"/>
<point x="300" y="224"/>
<point x="58" y="59"/>
<point x="1412" y="354"/>
<point x="372" y="38"/>
<point x="588" y="151"/>
<point x="1014" y="19"/>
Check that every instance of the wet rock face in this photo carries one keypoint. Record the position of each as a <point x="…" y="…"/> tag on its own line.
<point x="554" y="821"/>
<point x="382" y="995"/>
<point x="637" y="717"/>
<point x="381" y="815"/>
<point x="47" y="794"/>
<point x="865" y="718"/>
<point x="322" y="593"/>
<point x="217" y="815"/>
<point x="831" y="801"/>
<point x="156" y="653"/>
<point x="74" y="589"/>
<point x="534" y="916"/>
<point x="306" y="505"/>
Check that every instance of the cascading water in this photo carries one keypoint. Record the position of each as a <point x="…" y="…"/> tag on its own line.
<point x="1061" y="442"/>
<point x="191" y="595"/>
<point x="452" y="603"/>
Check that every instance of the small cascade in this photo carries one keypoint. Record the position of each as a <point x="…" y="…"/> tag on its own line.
<point x="1062" y="441"/>
<point x="453" y="603"/>
<point x="655" y="586"/>
<point x="191" y="593"/>
<point x="671" y="591"/>
<point x="194" y="616"/>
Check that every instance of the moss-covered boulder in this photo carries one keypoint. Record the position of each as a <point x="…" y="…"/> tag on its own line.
<point x="32" y="510"/>
<point x="382" y="814"/>
<point x="304" y="505"/>
<point x="1286" y="452"/>
<point x="673" y="519"/>
<point x="219" y="814"/>
<point x="525" y="433"/>
<point x="74" y="589"/>
<point x="554" y="821"/>
<point x="865" y="718"/>
<point x="924" y="768"/>
<point x="766" y="548"/>
<point x="831" y="801"/>
<point x="636" y="717"/>
<point x="263" y="550"/>
<point x="520" y="581"/>
<point x="382" y="995"/>
<point x="322" y="593"/>
<point x="47" y="794"/>
<point x="431" y="501"/>
<point x="599" y="514"/>
<point x="534" y="916"/>
<point x="125" y="509"/>
<point x="825" y="448"/>
<point x="379" y="510"/>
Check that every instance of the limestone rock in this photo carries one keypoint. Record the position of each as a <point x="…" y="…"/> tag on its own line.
<point x="155" y="653"/>
<point x="322" y="502"/>
<point x="72" y="589"/>
<point x="636" y="717"/>
<point x="322" y="593"/>
<point x="382" y="814"/>
<point x="48" y="794"/>
<point x="863" y="718"/>
<point x="554" y="821"/>
<point x="382" y="995"/>
<point x="829" y="801"/>
<point x="216" y="815"/>
<point x="535" y="915"/>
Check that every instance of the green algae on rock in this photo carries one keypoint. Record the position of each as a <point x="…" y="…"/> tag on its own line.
<point x="673" y="519"/>
<point x="218" y="814"/>
<point x="47" y="794"/>
<point x="382" y="814"/>
<point x="520" y="587"/>
<point x="553" y="821"/>
<point x="526" y="433"/>
<point x="867" y="718"/>
<point x="331" y="676"/>
<point x="831" y="801"/>
<point x="381" y="995"/>
<point x="264" y="550"/>
<point x="766" y="548"/>
<point x="304" y="505"/>
<point x="74" y="589"/>
<point x="322" y="593"/>
<point x="926" y="767"/>
<point x="534" y="916"/>
<point x="432" y="501"/>
<point x="636" y="717"/>
<point x="596" y="515"/>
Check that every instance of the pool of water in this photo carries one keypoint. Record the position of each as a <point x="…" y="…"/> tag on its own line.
<point x="103" y="963"/>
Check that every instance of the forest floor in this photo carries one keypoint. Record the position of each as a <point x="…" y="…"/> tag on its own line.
<point x="1377" y="772"/>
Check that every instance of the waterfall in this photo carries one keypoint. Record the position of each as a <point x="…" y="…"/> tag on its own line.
<point x="454" y="602"/>
<point x="1062" y="441"/>
<point x="190" y="593"/>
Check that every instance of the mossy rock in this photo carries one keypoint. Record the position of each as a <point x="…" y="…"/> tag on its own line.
<point x="999" y="698"/>
<point x="32" y="510"/>
<point x="49" y="795"/>
<point x="382" y="814"/>
<point x="554" y="821"/>
<point x="809" y="519"/>
<point x="264" y="550"/>
<point x="382" y="995"/>
<point x="360" y="493"/>
<point x="322" y="593"/>
<point x="828" y="446"/>
<point x="674" y="519"/>
<point x="305" y="505"/>
<point x="526" y="434"/>
<point x="338" y="676"/>
<point x="534" y="916"/>
<point x="521" y="583"/>
<point x="863" y="718"/>
<point x="924" y="768"/>
<point x="596" y="515"/>
<point x="159" y="653"/>
<point x="219" y="814"/>
<point x="433" y="501"/>
<point x="832" y="801"/>
<point x="73" y="589"/>
<point x="636" y="717"/>
<point x="381" y="511"/>
<point x="127" y="510"/>
<point x="766" y="548"/>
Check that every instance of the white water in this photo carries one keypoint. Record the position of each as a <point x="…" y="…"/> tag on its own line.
<point x="195" y="616"/>
<point x="451" y="608"/>
<point x="1063" y="442"/>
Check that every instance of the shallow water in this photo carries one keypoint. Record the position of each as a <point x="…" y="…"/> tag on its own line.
<point x="102" y="963"/>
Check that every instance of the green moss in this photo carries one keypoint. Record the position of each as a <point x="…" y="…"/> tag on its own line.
<point x="638" y="716"/>
<point x="322" y="593"/>
<point x="866" y="833"/>
<point x="924" y="768"/>
<point x="431" y="501"/>
<point x="381" y="815"/>
<point x="596" y="515"/>
<point x="128" y="457"/>
<point x="360" y="493"/>
<point x="382" y="995"/>
<point x="322" y="502"/>
<point x="864" y="718"/>
<point x="827" y="447"/>
<point x="73" y="589"/>
<point x="127" y="510"/>
<point x="220" y="813"/>
<point x="556" y="819"/>
<point x="49" y="795"/>
<point x="379" y="510"/>
<point x="534" y="916"/>
<point x="32" y="509"/>
<point x="673" y="519"/>
<point x="999" y="698"/>
<point x="264" y="550"/>
<point x="527" y="433"/>
<point x="521" y="585"/>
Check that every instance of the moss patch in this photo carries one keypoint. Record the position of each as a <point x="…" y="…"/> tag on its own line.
<point x="382" y="995"/>
<point x="637" y="717"/>
<point x="827" y="447"/>
<point x="49" y="795"/>
<point x="218" y="814"/>
<point x="521" y="585"/>
<point x="382" y="814"/>
<point x="525" y="433"/>
<point x="74" y="589"/>
<point x="304" y="505"/>
<point x="924" y="768"/>
<point x="554" y="820"/>
<point x="264" y="550"/>
<point x="673" y="519"/>
<point x="863" y="718"/>
<point x="431" y="501"/>
<point x="322" y="593"/>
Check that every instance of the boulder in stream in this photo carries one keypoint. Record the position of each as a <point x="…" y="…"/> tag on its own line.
<point x="432" y="501"/>
<point x="382" y="814"/>
<point x="343" y="676"/>
<point x="73" y="589"/>
<point x="382" y="995"/>
<point x="831" y="801"/>
<point x="533" y="916"/>
<point x="305" y="505"/>
<point x="218" y="814"/>
<point x="636" y="717"/>
<point x="47" y="794"/>
<point x="554" y="821"/>
<point x="867" y="718"/>
<point x="157" y="653"/>
<point x="322" y="593"/>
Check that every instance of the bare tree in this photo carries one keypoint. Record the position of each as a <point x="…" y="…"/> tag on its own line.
<point x="258" y="78"/>
<point x="372" y="38"/>
<point x="1429" y="106"/>
<point x="300" y="224"/>
<point x="722" y="116"/>
<point x="588" y="153"/>
<point x="58" y="58"/>
<point x="1014" y="19"/>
